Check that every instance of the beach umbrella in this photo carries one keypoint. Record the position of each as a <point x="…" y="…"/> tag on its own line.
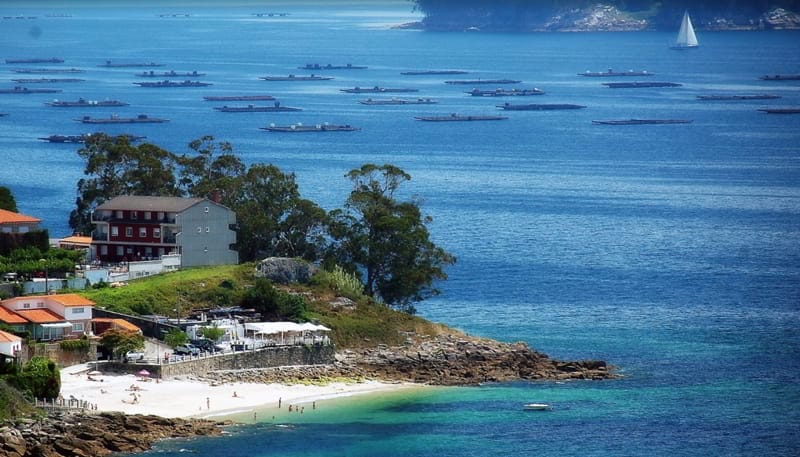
<point x="144" y="373"/>
<point x="94" y="373"/>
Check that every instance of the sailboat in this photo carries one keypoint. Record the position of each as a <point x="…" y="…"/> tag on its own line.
<point x="686" y="37"/>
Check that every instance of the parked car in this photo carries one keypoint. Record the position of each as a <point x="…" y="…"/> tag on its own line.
<point x="206" y="345"/>
<point x="134" y="356"/>
<point x="186" y="349"/>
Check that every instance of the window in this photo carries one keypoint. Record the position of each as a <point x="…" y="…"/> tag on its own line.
<point x="129" y="231"/>
<point x="77" y="326"/>
<point x="157" y="233"/>
<point x="104" y="249"/>
<point x="119" y="214"/>
<point x="147" y="215"/>
<point x="207" y="230"/>
<point x="26" y="305"/>
<point x="205" y="210"/>
<point x="160" y="251"/>
<point x="114" y="230"/>
<point x="120" y="250"/>
<point x="142" y="232"/>
<point x="199" y="229"/>
<point x="129" y="250"/>
<point x="160" y="216"/>
<point x="78" y="310"/>
<point x="40" y="305"/>
<point x="134" y="215"/>
<point x="148" y="251"/>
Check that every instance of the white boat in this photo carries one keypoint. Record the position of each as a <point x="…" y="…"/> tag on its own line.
<point x="686" y="38"/>
<point x="537" y="407"/>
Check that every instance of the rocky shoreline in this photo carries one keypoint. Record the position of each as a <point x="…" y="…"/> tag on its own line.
<point x="78" y="434"/>
<point x="607" y="18"/>
<point x="447" y="360"/>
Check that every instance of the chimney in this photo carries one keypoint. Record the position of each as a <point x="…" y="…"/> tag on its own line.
<point x="216" y="196"/>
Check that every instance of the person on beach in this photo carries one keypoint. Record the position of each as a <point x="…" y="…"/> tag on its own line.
<point x="235" y="395"/>
<point x="208" y="402"/>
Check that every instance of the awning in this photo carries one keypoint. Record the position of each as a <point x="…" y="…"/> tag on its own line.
<point x="57" y="325"/>
<point x="272" y="328"/>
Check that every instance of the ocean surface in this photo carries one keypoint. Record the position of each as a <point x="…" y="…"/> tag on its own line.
<point x="671" y="251"/>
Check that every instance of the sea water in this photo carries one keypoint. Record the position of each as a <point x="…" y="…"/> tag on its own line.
<point x="671" y="251"/>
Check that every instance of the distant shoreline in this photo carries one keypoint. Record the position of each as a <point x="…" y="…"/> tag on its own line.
<point x="418" y="25"/>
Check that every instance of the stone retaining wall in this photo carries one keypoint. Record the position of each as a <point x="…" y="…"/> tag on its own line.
<point x="263" y="358"/>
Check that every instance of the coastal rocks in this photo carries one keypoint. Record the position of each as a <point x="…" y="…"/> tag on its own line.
<point x="780" y="19"/>
<point x="284" y="270"/>
<point x="596" y="18"/>
<point x="449" y="359"/>
<point x="90" y="435"/>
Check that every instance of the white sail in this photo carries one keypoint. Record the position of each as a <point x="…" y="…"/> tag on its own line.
<point x="686" y="37"/>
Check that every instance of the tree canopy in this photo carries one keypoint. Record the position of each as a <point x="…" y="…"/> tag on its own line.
<point x="387" y="240"/>
<point x="381" y="239"/>
<point x="7" y="201"/>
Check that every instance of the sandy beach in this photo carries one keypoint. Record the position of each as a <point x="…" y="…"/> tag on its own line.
<point x="184" y="397"/>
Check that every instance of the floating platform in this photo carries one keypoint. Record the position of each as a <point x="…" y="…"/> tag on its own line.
<point x="83" y="103"/>
<point x="140" y="119"/>
<point x="47" y="80"/>
<point x="25" y="90"/>
<point x="611" y="73"/>
<point x="460" y="118"/>
<point x="277" y="108"/>
<point x="238" y="98"/>
<point x="639" y="84"/>
<point x="473" y="82"/>
<point x="111" y="64"/>
<point x="539" y="107"/>
<point x="780" y="77"/>
<point x="44" y="71"/>
<point x="300" y="128"/>
<point x="377" y="90"/>
<point x="738" y="97"/>
<point x="168" y="83"/>
<point x="398" y="101"/>
<point x="82" y="138"/>
<point x="642" y="121"/>
<point x="49" y="60"/>
<point x="297" y="78"/>
<point x="316" y="66"/>
<point x="505" y="92"/>
<point x="169" y="74"/>
<point x="781" y="110"/>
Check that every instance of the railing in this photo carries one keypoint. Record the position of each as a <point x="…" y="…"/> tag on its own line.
<point x="64" y="403"/>
<point x="249" y="346"/>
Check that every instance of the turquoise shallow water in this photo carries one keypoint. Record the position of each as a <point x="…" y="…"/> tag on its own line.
<point x="670" y="251"/>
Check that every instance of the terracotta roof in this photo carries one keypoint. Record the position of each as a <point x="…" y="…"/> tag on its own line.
<point x="165" y="204"/>
<point x="10" y="317"/>
<point x="87" y="240"/>
<point x="6" y="337"/>
<point x="10" y="217"/>
<point x="71" y="300"/>
<point x="121" y="323"/>
<point x="40" y="316"/>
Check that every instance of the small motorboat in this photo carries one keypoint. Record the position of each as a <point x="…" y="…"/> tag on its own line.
<point x="537" y="407"/>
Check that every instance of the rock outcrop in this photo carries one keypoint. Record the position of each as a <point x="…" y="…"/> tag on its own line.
<point x="596" y="18"/>
<point x="93" y="435"/>
<point x="449" y="359"/>
<point x="284" y="270"/>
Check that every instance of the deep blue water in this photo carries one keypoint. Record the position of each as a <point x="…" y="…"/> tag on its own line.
<point x="671" y="251"/>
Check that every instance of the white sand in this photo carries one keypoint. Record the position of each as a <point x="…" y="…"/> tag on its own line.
<point x="192" y="398"/>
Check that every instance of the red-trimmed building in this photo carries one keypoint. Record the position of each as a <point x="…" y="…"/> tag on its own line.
<point x="134" y="228"/>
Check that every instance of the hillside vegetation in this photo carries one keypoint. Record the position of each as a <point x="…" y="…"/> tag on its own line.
<point x="367" y="323"/>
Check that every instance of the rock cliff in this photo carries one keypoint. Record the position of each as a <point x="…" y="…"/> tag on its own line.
<point x="94" y="435"/>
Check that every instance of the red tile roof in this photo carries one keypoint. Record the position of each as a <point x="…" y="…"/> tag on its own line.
<point x="10" y="217"/>
<point x="10" y="317"/>
<point x="6" y="337"/>
<point x="40" y="316"/>
<point x="71" y="300"/>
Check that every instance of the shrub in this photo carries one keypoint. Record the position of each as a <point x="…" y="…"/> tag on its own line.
<point x="79" y="345"/>
<point x="341" y="282"/>
<point x="39" y="378"/>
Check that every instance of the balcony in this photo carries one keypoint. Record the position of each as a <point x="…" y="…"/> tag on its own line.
<point x="99" y="236"/>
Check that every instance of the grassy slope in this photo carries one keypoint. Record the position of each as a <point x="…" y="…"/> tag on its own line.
<point x="368" y="325"/>
<point x="12" y="403"/>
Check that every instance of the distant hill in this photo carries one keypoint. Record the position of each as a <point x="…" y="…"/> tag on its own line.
<point x="562" y="15"/>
